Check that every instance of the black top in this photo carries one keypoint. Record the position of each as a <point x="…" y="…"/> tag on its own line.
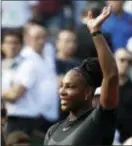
<point x="94" y="127"/>
<point x="124" y="114"/>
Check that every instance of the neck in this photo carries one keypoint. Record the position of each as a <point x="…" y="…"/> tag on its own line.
<point x="62" y="56"/>
<point x="75" y="114"/>
<point x="40" y="52"/>
<point x="9" y="58"/>
<point x="120" y="13"/>
<point x="122" y="79"/>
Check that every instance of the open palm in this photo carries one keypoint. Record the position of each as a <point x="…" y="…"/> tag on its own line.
<point x="94" y="23"/>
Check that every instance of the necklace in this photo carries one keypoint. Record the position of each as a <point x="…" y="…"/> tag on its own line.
<point x="68" y="125"/>
<point x="66" y="128"/>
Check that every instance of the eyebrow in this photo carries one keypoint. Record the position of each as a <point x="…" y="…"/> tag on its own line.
<point x="69" y="83"/>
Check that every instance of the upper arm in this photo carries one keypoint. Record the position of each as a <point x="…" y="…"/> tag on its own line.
<point x="47" y="137"/>
<point x="109" y="92"/>
<point x="104" y="121"/>
<point x="49" y="133"/>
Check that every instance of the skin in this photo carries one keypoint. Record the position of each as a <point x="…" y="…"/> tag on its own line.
<point x="36" y="38"/>
<point x="11" y="46"/>
<point x="95" y="101"/>
<point x="75" y="96"/>
<point x="73" y="91"/>
<point x="117" y="6"/>
<point x="66" y="45"/>
<point x="124" y="62"/>
<point x="17" y="138"/>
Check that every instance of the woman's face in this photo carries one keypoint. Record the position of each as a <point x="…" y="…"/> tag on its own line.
<point x="72" y="91"/>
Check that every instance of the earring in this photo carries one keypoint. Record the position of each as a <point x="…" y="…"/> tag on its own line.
<point x="86" y="98"/>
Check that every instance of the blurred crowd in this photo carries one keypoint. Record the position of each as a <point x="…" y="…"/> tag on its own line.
<point x="41" y="41"/>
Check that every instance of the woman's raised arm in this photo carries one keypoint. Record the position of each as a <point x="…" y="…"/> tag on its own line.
<point x="109" y="87"/>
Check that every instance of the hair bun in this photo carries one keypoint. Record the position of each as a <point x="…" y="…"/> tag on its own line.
<point x="91" y="67"/>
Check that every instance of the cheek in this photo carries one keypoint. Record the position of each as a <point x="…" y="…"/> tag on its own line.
<point x="8" y="50"/>
<point x="74" y="95"/>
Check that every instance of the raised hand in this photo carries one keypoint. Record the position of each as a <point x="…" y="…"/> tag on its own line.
<point x="95" y="23"/>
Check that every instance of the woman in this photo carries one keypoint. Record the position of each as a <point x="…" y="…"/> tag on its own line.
<point x="85" y="125"/>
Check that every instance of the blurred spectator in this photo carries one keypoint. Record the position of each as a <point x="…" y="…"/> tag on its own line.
<point x="128" y="6"/>
<point x="78" y="7"/>
<point x="96" y="98"/>
<point x="118" y="25"/>
<point x="11" y="46"/>
<point x="124" y="114"/>
<point x="129" y="45"/>
<point x="116" y="140"/>
<point x="2" y="55"/>
<point x="33" y="82"/>
<point x="3" y="113"/>
<point x="16" y="13"/>
<point x="2" y="140"/>
<point x="2" y="137"/>
<point x="34" y="39"/>
<point x="18" y="138"/>
<point x="66" y="47"/>
<point x="128" y="141"/>
<point x="47" y="9"/>
<point x="85" y="45"/>
<point x="48" y="49"/>
<point x="53" y="13"/>
<point x="3" y="123"/>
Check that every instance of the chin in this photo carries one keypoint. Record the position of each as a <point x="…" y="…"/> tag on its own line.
<point x="64" y="108"/>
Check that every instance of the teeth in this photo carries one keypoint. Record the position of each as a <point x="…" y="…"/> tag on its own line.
<point x="63" y="102"/>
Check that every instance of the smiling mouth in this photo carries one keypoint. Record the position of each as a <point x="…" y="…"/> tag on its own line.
<point x="64" y="102"/>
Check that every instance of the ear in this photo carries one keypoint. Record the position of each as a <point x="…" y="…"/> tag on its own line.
<point x="57" y="45"/>
<point x="89" y="93"/>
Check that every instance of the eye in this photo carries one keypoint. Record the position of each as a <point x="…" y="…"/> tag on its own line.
<point x="71" y="86"/>
<point x="61" y="85"/>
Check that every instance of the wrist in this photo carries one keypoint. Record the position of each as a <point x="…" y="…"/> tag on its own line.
<point x="94" y="30"/>
<point x="96" y="33"/>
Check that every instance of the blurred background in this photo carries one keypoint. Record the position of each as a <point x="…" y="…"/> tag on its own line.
<point x="57" y="29"/>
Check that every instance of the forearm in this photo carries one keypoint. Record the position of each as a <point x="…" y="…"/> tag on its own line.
<point x="109" y="87"/>
<point x="9" y="96"/>
<point x="14" y="93"/>
<point x="105" y="56"/>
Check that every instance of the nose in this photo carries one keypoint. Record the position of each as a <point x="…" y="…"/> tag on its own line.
<point x="62" y="92"/>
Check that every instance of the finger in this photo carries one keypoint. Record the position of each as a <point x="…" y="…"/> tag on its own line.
<point x="104" y="10"/>
<point x="90" y="14"/>
<point x="108" y="10"/>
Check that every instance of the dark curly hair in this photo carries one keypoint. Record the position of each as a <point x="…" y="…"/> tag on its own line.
<point x="91" y="71"/>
